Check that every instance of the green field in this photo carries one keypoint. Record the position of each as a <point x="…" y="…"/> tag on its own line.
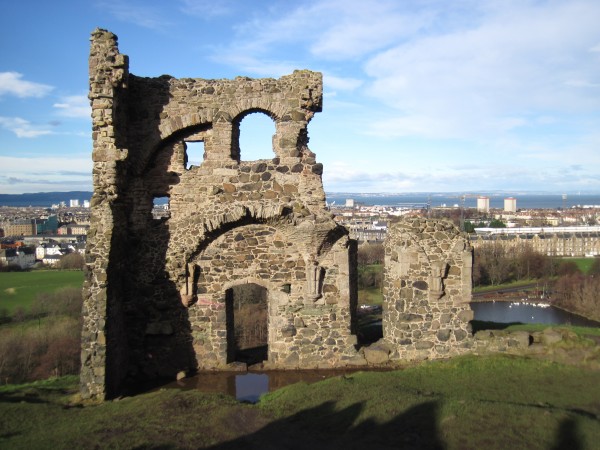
<point x="19" y="289"/>
<point x="584" y="264"/>
<point x="495" y="402"/>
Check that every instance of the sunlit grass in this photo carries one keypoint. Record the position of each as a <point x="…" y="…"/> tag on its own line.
<point x="493" y="402"/>
<point x="19" y="289"/>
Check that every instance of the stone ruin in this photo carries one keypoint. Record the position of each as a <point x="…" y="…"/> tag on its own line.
<point x="159" y="293"/>
<point x="427" y="275"/>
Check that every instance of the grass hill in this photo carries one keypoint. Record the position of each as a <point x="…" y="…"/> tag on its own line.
<point x="494" y="402"/>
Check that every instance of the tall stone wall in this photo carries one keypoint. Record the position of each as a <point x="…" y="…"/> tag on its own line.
<point x="158" y="293"/>
<point x="427" y="290"/>
<point x="155" y="297"/>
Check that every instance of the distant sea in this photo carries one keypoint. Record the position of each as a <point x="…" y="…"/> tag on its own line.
<point x="524" y="200"/>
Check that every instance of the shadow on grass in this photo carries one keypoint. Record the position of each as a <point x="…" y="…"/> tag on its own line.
<point x="324" y="427"/>
<point x="12" y="398"/>
<point x="568" y="437"/>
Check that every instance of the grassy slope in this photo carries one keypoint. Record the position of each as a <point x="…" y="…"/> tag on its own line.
<point x="21" y="288"/>
<point x="370" y="295"/>
<point x="584" y="264"/>
<point x="487" y="402"/>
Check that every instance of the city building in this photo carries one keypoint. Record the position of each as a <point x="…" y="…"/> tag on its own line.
<point x="483" y="204"/>
<point x="25" y="227"/>
<point x="510" y="204"/>
<point x="576" y="241"/>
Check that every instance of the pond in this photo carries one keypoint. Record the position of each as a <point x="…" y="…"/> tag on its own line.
<point x="525" y="312"/>
<point x="249" y="386"/>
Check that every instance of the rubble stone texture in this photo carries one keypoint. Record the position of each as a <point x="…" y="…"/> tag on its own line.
<point x="427" y="290"/>
<point x="156" y="295"/>
<point x="158" y="291"/>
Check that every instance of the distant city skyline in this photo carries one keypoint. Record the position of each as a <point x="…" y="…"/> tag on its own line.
<point x="419" y="96"/>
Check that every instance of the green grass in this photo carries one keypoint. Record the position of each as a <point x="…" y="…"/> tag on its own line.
<point x="370" y="296"/>
<point x="493" y="402"/>
<point x="584" y="264"/>
<point x="19" y="289"/>
<point x="478" y="325"/>
<point x="513" y="284"/>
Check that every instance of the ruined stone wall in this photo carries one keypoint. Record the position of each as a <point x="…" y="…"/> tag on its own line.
<point x="158" y="292"/>
<point x="155" y="292"/>
<point x="427" y="290"/>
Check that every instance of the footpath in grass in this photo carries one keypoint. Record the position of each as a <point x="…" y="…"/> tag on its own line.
<point x="19" y="289"/>
<point x="494" y="402"/>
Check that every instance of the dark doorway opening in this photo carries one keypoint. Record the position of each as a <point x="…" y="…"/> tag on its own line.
<point x="247" y="323"/>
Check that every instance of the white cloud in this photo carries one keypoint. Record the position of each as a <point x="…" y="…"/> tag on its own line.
<point x="509" y="63"/>
<point x="56" y="165"/>
<point x="341" y="83"/>
<point x="355" y="28"/>
<point x="333" y="30"/>
<point x="37" y="174"/>
<point x="74" y="106"/>
<point x="23" y="128"/>
<point x="456" y="180"/>
<point x="12" y="83"/>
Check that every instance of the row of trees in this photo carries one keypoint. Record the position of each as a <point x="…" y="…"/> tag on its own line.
<point x="495" y="264"/>
<point x="572" y="290"/>
<point x="580" y="293"/>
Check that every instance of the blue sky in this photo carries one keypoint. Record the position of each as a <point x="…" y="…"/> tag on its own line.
<point x="421" y="95"/>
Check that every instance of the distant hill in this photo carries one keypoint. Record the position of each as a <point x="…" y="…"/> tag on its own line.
<point x="44" y="199"/>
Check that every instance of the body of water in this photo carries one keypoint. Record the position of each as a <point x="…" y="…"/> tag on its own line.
<point x="249" y="386"/>
<point x="507" y="312"/>
<point x="524" y="201"/>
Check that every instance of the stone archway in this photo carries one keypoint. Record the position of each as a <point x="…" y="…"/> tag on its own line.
<point x="247" y="321"/>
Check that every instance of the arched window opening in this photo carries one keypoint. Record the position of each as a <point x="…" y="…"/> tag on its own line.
<point x="194" y="154"/>
<point x="256" y="137"/>
<point x="247" y="323"/>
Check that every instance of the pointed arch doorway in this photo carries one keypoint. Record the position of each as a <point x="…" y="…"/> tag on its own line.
<point x="246" y="307"/>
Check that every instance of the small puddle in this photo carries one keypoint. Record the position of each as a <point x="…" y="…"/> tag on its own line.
<point x="249" y="386"/>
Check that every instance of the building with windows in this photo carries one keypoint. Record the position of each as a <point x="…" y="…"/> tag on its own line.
<point x="551" y="241"/>
<point x="510" y="204"/>
<point x="483" y="204"/>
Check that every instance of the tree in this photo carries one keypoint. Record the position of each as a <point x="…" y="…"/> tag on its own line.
<point x="497" y="223"/>
<point x="469" y="227"/>
<point x="492" y="264"/>
<point x="72" y="261"/>
<point x="370" y="254"/>
<point x="567" y="268"/>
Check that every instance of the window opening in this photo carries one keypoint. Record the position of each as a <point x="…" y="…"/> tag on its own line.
<point x="160" y="207"/>
<point x="194" y="154"/>
<point x="256" y="137"/>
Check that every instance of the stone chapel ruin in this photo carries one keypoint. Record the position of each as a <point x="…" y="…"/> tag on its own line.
<point x="159" y="293"/>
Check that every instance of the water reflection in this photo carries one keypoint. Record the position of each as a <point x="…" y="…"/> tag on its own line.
<point x="249" y="386"/>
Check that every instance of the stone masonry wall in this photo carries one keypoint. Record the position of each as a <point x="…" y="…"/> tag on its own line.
<point x="158" y="292"/>
<point x="427" y="290"/>
<point x="155" y="293"/>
